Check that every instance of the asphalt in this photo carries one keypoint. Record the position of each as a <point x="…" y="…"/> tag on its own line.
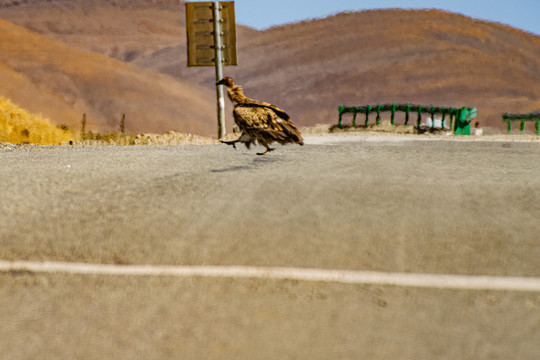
<point x="448" y="207"/>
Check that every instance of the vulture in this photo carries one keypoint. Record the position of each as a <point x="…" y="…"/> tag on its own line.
<point x="259" y="122"/>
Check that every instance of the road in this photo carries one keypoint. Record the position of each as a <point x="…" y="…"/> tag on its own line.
<point x="439" y="207"/>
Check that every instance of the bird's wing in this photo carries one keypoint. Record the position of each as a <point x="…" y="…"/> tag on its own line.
<point x="259" y="120"/>
<point x="278" y="111"/>
<point x="252" y="117"/>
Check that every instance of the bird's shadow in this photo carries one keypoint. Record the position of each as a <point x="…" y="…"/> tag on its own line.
<point x="231" y="169"/>
<point x="258" y="161"/>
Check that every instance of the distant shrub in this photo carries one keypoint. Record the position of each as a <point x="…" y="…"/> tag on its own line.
<point x="22" y="127"/>
<point x="63" y="127"/>
<point x="169" y="138"/>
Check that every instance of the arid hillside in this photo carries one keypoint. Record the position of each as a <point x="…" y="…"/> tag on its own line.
<point x="311" y="67"/>
<point x="61" y="82"/>
<point x="120" y="29"/>
<point x="423" y="57"/>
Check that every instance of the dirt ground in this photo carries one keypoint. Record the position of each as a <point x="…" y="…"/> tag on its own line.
<point x="374" y="203"/>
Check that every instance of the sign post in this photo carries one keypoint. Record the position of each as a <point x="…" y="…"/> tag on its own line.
<point x="218" y="47"/>
<point x="211" y="41"/>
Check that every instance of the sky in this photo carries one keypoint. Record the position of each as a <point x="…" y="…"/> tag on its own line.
<point x="261" y="14"/>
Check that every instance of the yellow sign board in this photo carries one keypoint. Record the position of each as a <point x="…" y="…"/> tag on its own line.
<point x="200" y="33"/>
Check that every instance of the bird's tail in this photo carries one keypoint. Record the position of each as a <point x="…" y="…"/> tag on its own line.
<point x="293" y="133"/>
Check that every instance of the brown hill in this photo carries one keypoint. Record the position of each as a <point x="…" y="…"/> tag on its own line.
<point x="370" y="57"/>
<point x="62" y="82"/>
<point x="121" y="29"/>
<point x="309" y="68"/>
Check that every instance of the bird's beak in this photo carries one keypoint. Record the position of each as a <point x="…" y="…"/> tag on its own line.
<point x="221" y="82"/>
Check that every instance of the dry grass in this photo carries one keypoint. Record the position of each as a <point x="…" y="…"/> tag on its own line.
<point x="384" y="127"/>
<point x="22" y="127"/>
<point x="169" y="138"/>
<point x="19" y="126"/>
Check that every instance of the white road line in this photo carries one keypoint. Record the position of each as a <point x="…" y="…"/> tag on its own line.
<point x="440" y="281"/>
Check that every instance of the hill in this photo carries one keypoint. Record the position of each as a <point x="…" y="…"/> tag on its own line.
<point x="62" y="82"/>
<point x="401" y="56"/>
<point x="311" y="67"/>
<point x="120" y="29"/>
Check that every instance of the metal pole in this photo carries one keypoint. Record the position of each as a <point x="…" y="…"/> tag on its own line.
<point x="218" y="47"/>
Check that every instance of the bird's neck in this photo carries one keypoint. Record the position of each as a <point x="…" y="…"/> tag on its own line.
<point x="236" y="94"/>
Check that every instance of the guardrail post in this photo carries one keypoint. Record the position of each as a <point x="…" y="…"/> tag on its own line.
<point x="419" y="119"/>
<point x="537" y="126"/>
<point x="457" y="120"/>
<point x="379" y="114"/>
<point x="407" y="114"/>
<point x="340" y="110"/>
<point x="522" y="125"/>
<point x="368" y="109"/>
<point x="392" y="121"/>
<point x="443" y="120"/>
<point x="509" y="130"/>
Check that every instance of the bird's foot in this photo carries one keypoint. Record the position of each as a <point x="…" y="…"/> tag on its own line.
<point x="266" y="152"/>
<point x="233" y="142"/>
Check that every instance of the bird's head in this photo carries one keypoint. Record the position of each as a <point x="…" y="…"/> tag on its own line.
<point x="227" y="81"/>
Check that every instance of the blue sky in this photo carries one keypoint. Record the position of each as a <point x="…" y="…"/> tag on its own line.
<point x="261" y="14"/>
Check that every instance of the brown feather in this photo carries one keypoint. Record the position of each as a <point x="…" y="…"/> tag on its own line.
<point x="261" y="121"/>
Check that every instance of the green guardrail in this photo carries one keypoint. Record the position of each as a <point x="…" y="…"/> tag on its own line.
<point x="522" y="118"/>
<point x="462" y="116"/>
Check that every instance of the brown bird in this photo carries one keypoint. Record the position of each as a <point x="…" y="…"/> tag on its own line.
<point x="259" y="121"/>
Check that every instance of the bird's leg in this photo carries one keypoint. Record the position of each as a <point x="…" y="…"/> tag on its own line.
<point x="232" y="142"/>
<point x="268" y="149"/>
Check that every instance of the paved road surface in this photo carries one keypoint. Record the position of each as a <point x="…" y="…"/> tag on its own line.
<point x="448" y="207"/>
